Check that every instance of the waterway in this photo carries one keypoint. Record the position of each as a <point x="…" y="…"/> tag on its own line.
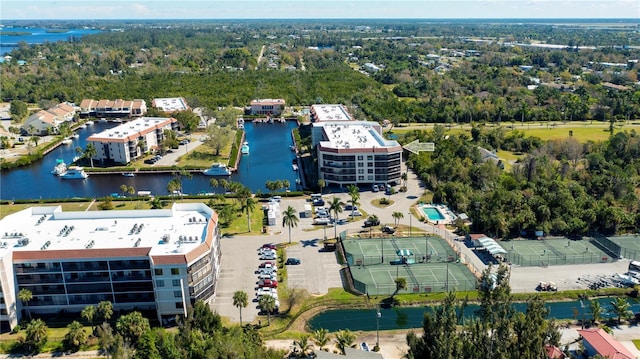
<point x="269" y="159"/>
<point x="408" y="318"/>
<point x="36" y="36"/>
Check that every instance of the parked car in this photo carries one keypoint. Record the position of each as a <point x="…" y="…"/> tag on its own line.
<point x="321" y="220"/>
<point x="269" y="245"/>
<point x="267" y="283"/>
<point x="318" y="202"/>
<point x="350" y="207"/>
<point x="267" y="265"/>
<point x="371" y="222"/>
<point x="389" y="230"/>
<point x="267" y="291"/>
<point x="355" y="213"/>
<point x="263" y="250"/>
<point x="184" y="142"/>
<point x="268" y="257"/>
<point x="292" y="261"/>
<point x="270" y="276"/>
<point x="267" y="270"/>
<point x="375" y="188"/>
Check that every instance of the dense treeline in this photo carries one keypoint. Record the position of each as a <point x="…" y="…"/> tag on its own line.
<point x="562" y="187"/>
<point x="217" y="64"/>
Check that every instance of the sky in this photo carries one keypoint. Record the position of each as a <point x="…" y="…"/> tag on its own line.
<point x="310" y="9"/>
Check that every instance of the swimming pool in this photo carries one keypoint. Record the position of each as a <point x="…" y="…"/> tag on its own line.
<point x="433" y="213"/>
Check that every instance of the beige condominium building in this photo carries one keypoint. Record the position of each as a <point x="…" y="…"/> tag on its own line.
<point x="154" y="260"/>
<point x="130" y="140"/>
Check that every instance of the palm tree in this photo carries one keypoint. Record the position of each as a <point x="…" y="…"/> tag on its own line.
<point x="36" y="335"/>
<point x="344" y="339"/>
<point x="123" y="189"/>
<point x="404" y="177"/>
<point x="286" y="184"/>
<point x="304" y="345"/>
<point x="240" y="300"/>
<point x="596" y="310"/>
<point x="354" y="193"/>
<point x="397" y="216"/>
<point x="336" y="207"/>
<point x="105" y="310"/>
<point x="268" y="304"/>
<point x="620" y="308"/>
<point x="25" y="296"/>
<point x="90" y="151"/>
<point x="88" y="313"/>
<point x="321" y="184"/>
<point x="320" y="337"/>
<point x="290" y="219"/>
<point x="248" y="205"/>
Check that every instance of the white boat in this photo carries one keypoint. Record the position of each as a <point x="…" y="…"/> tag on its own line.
<point x="103" y="120"/>
<point x="245" y="148"/>
<point x="82" y="126"/>
<point x="295" y="167"/>
<point x="60" y="167"/>
<point x="75" y="135"/>
<point x="217" y="169"/>
<point x="74" y="172"/>
<point x="129" y="174"/>
<point x="67" y="141"/>
<point x="89" y="123"/>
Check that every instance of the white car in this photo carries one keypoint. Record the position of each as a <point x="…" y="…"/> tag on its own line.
<point x="266" y="270"/>
<point x="267" y="291"/>
<point x="268" y="257"/>
<point x="266" y="251"/>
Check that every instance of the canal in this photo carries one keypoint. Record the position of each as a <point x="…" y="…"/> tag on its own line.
<point x="269" y="159"/>
<point x="407" y="318"/>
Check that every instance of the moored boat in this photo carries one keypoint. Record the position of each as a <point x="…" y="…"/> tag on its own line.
<point x="74" y="172"/>
<point x="129" y="174"/>
<point x="245" y="148"/>
<point x="67" y="141"/>
<point x="217" y="169"/>
<point x="89" y="123"/>
<point x="60" y="167"/>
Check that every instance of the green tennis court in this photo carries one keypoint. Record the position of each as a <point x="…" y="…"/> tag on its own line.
<point x="629" y="246"/>
<point x="429" y="264"/>
<point x="387" y="250"/>
<point x="555" y="251"/>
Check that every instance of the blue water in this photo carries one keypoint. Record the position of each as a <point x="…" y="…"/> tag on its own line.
<point x="270" y="159"/>
<point x="406" y="318"/>
<point x="432" y="213"/>
<point x="38" y="36"/>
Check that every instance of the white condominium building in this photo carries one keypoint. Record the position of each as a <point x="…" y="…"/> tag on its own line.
<point x="159" y="260"/>
<point x="130" y="140"/>
<point x="355" y="152"/>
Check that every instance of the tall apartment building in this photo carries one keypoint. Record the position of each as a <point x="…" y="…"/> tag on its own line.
<point x="130" y="140"/>
<point x="355" y="152"/>
<point x="162" y="260"/>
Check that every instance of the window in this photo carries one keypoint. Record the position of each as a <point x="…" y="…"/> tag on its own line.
<point x="360" y="164"/>
<point x="359" y="158"/>
<point x="159" y="283"/>
<point x="175" y="271"/>
<point x="360" y="178"/>
<point x="370" y="164"/>
<point x="370" y="170"/>
<point x="369" y="158"/>
<point x="360" y="171"/>
<point x="177" y="293"/>
<point x="179" y="305"/>
<point x="158" y="271"/>
<point x="176" y="282"/>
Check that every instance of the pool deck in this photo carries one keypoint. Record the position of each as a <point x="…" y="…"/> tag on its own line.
<point x="448" y="215"/>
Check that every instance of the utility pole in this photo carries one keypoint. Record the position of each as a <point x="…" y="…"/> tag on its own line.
<point x="378" y="315"/>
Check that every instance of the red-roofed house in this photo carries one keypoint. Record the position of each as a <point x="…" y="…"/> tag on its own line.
<point x="597" y="341"/>
<point x="553" y="352"/>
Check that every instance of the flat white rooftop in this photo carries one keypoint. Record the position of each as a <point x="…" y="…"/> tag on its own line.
<point x="166" y="231"/>
<point x="268" y="101"/>
<point x="325" y="113"/>
<point x="354" y="135"/>
<point x="137" y="127"/>
<point x="170" y="104"/>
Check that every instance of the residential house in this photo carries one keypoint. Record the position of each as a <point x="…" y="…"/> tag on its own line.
<point x="598" y="342"/>
<point x="46" y="122"/>
<point x="272" y="107"/>
<point x="112" y="108"/>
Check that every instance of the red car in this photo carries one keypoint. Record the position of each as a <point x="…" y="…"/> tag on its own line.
<point x="267" y="283"/>
<point x="266" y="264"/>
<point x="269" y="246"/>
